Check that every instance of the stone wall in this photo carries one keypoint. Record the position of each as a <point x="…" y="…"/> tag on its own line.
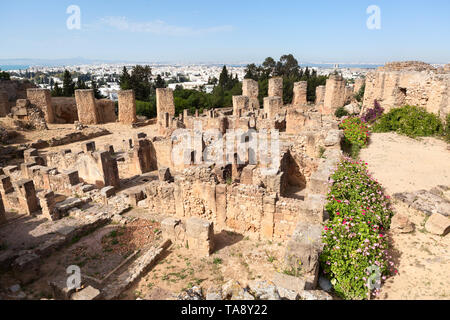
<point x="399" y="84"/>
<point x="65" y="109"/>
<point x="106" y="110"/>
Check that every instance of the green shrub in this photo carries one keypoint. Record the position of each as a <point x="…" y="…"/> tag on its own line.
<point x="147" y="109"/>
<point x="411" y="121"/>
<point x="447" y="129"/>
<point x="341" y="112"/>
<point x="354" y="237"/>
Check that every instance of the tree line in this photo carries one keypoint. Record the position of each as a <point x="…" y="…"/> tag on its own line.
<point x="227" y="86"/>
<point x="69" y="86"/>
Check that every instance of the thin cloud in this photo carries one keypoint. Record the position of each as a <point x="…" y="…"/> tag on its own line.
<point x="159" y="27"/>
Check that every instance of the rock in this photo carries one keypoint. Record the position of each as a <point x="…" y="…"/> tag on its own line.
<point x="88" y="293"/>
<point x="333" y="138"/>
<point x="325" y="284"/>
<point x="315" y="295"/>
<point x="15" y="288"/>
<point x="289" y="282"/>
<point x="214" y="293"/>
<point x="353" y="108"/>
<point x="263" y="290"/>
<point x="194" y="293"/>
<point x="286" y="294"/>
<point x="303" y="250"/>
<point x="438" y="224"/>
<point x="401" y="224"/>
<point x="230" y="289"/>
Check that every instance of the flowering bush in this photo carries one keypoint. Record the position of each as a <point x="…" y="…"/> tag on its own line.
<point x="354" y="237"/>
<point x="373" y="114"/>
<point x="356" y="132"/>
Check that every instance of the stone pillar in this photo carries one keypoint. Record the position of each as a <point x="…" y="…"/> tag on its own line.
<point x="250" y="89"/>
<point x="334" y="94"/>
<point x="240" y="103"/>
<point x="358" y="85"/>
<point x="300" y="93"/>
<point x="276" y="87"/>
<point x="320" y="94"/>
<point x="267" y="221"/>
<point x="143" y="157"/>
<point x="26" y="194"/>
<point x="164" y="103"/>
<point x="86" y="106"/>
<point x="4" y="104"/>
<point x="41" y="98"/>
<point x="5" y="185"/>
<point x="2" y="211"/>
<point x="127" y="107"/>
<point x="200" y="235"/>
<point x="47" y="202"/>
<point x="272" y="106"/>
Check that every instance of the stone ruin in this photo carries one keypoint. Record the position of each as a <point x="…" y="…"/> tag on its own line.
<point x="411" y="82"/>
<point x="68" y="192"/>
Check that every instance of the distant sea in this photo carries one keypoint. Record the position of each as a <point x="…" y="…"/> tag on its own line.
<point x="13" y="67"/>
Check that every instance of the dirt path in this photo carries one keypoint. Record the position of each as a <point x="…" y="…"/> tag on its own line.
<point x="422" y="259"/>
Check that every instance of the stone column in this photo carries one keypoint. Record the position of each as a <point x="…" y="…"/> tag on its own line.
<point x="300" y="93"/>
<point x="86" y="106"/>
<point x="320" y="94"/>
<point x="164" y="103"/>
<point x="334" y="94"/>
<point x="250" y="89"/>
<point x="127" y="107"/>
<point x="276" y="87"/>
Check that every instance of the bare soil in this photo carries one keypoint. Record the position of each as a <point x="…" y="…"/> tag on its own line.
<point x="423" y="260"/>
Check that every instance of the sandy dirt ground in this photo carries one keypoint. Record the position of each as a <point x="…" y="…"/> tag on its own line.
<point x="235" y="257"/>
<point x="402" y="164"/>
<point x="422" y="259"/>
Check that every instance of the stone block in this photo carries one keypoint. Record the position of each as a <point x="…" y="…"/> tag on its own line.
<point x="88" y="293"/>
<point x="87" y="107"/>
<point x="438" y="224"/>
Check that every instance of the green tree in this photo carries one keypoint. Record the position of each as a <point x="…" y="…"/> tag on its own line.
<point x="57" y="91"/>
<point x="159" y="82"/>
<point x="97" y="94"/>
<point x="124" y="79"/>
<point x="68" y="84"/>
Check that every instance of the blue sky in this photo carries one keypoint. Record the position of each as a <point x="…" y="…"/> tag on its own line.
<point x="227" y="31"/>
